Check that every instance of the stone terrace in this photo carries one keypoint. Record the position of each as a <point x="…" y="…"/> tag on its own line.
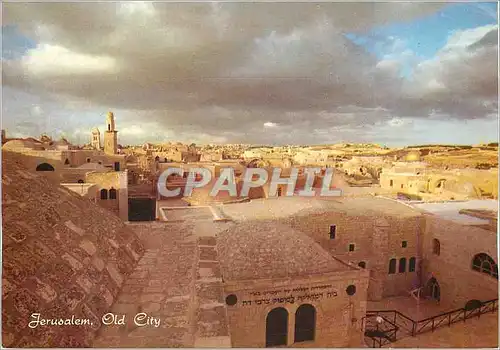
<point x="178" y="281"/>
<point x="474" y="333"/>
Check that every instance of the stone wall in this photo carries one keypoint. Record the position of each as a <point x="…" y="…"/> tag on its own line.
<point x="371" y="245"/>
<point x="338" y="315"/>
<point x="453" y="266"/>
<point x="118" y="181"/>
<point x="63" y="256"/>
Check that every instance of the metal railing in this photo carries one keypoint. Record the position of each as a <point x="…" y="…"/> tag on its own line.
<point x="404" y="325"/>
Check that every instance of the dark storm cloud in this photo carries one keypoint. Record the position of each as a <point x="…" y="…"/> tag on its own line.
<point x="227" y="69"/>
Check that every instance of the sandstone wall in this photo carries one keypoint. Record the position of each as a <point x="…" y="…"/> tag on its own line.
<point x="118" y="181"/>
<point x="62" y="256"/>
<point x="338" y="315"/>
<point x="453" y="266"/>
<point x="369" y="247"/>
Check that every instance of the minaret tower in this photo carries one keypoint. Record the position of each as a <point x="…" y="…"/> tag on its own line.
<point x="110" y="135"/>
<point x="96" y="139"/>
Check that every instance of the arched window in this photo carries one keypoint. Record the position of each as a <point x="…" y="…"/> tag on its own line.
<point x="436" y="246"/>
<point x="484" y="263"/>
<point x="112" y="193"/>
<point x="88" y="160"/>
<point x="411" y="267"/>
<point x="402" y="265"/>
<point x="392" y="266"/>
<point x="44" y="167"/>
<point x="277" y="327"/>
<point x="157" y="158"/>
<point x="104" y="193"/>
<point x="305" y="323"/>
<point x="362" y="264"/>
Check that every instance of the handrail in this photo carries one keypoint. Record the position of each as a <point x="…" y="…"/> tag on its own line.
<point x="436" y="321"/>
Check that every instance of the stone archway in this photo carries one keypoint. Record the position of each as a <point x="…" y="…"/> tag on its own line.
<point x="44" y="167"/>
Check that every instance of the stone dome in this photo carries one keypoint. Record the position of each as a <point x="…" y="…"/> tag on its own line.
<point x="201" y="195"/>
<point x="266" y="249"/>
<point x="25" y="144"/>
<point x="413" y="156"/>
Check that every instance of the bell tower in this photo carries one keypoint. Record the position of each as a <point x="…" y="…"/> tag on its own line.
<point x="96" y="139"/>
<point x="110" y="135"/>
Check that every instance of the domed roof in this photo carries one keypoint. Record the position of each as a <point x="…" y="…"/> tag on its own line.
<point x="413" y="156"/>
<point x="266" y="249"/>
<point x="19" y="143"/>
<point x="201" y="195"/>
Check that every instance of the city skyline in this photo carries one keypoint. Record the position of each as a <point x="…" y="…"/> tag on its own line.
<point x="389" y="73"/>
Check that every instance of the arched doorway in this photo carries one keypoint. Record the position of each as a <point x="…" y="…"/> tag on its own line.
<point x="276" y="327"/>
<point x="432" y="289"/>
<point x="44" y="167"/>
<point x="104" y="194"/>
<point x="305" y="323"/>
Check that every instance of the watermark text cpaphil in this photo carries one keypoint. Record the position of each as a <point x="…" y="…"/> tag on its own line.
<point x="251" y="178"/>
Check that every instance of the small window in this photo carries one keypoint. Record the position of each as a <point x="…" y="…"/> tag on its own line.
<point x="392" y="266"/>
<point x="402" y="265"/>
<point x="362" y="264"/>
<point x="66" y="162"/>
<point x="411" y="267"/>
<point x="88" y="160"/>
<point x="402" y="185"/>
<point x="351" y="247"/>
<point x="436" y="247"/>
<point x="351" y="290"/>
<point x="404" y="244"/>
<point x="333" y="228"/>
<point x="112" y="193"/>
<point x="104" y="193"/>
<point x="80" y="181"/>
<point x="391" y="183"/>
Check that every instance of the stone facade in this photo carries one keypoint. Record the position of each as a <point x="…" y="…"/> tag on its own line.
<point x="458" y="244"/>
<point x="338" y="315"/>
<point x="109" y="181"/>
<point x="110" y="135"/>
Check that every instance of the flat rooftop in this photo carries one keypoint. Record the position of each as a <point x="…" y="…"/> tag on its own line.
<point x="282" y="207"/>
<point x="451" y="210"/>
<point x="187" y="213"/>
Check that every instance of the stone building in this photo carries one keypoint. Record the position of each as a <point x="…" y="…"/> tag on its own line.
<point x="283" y="289"/>
<point x="286" y="271"/>
<point x="95" y="140"/>
<point x="110" y="135"/>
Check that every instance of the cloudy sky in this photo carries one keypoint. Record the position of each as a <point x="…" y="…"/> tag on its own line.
<point x="273" y="73"/>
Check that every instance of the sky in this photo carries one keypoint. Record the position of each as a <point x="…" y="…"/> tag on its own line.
<point x="392" y="73"/>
